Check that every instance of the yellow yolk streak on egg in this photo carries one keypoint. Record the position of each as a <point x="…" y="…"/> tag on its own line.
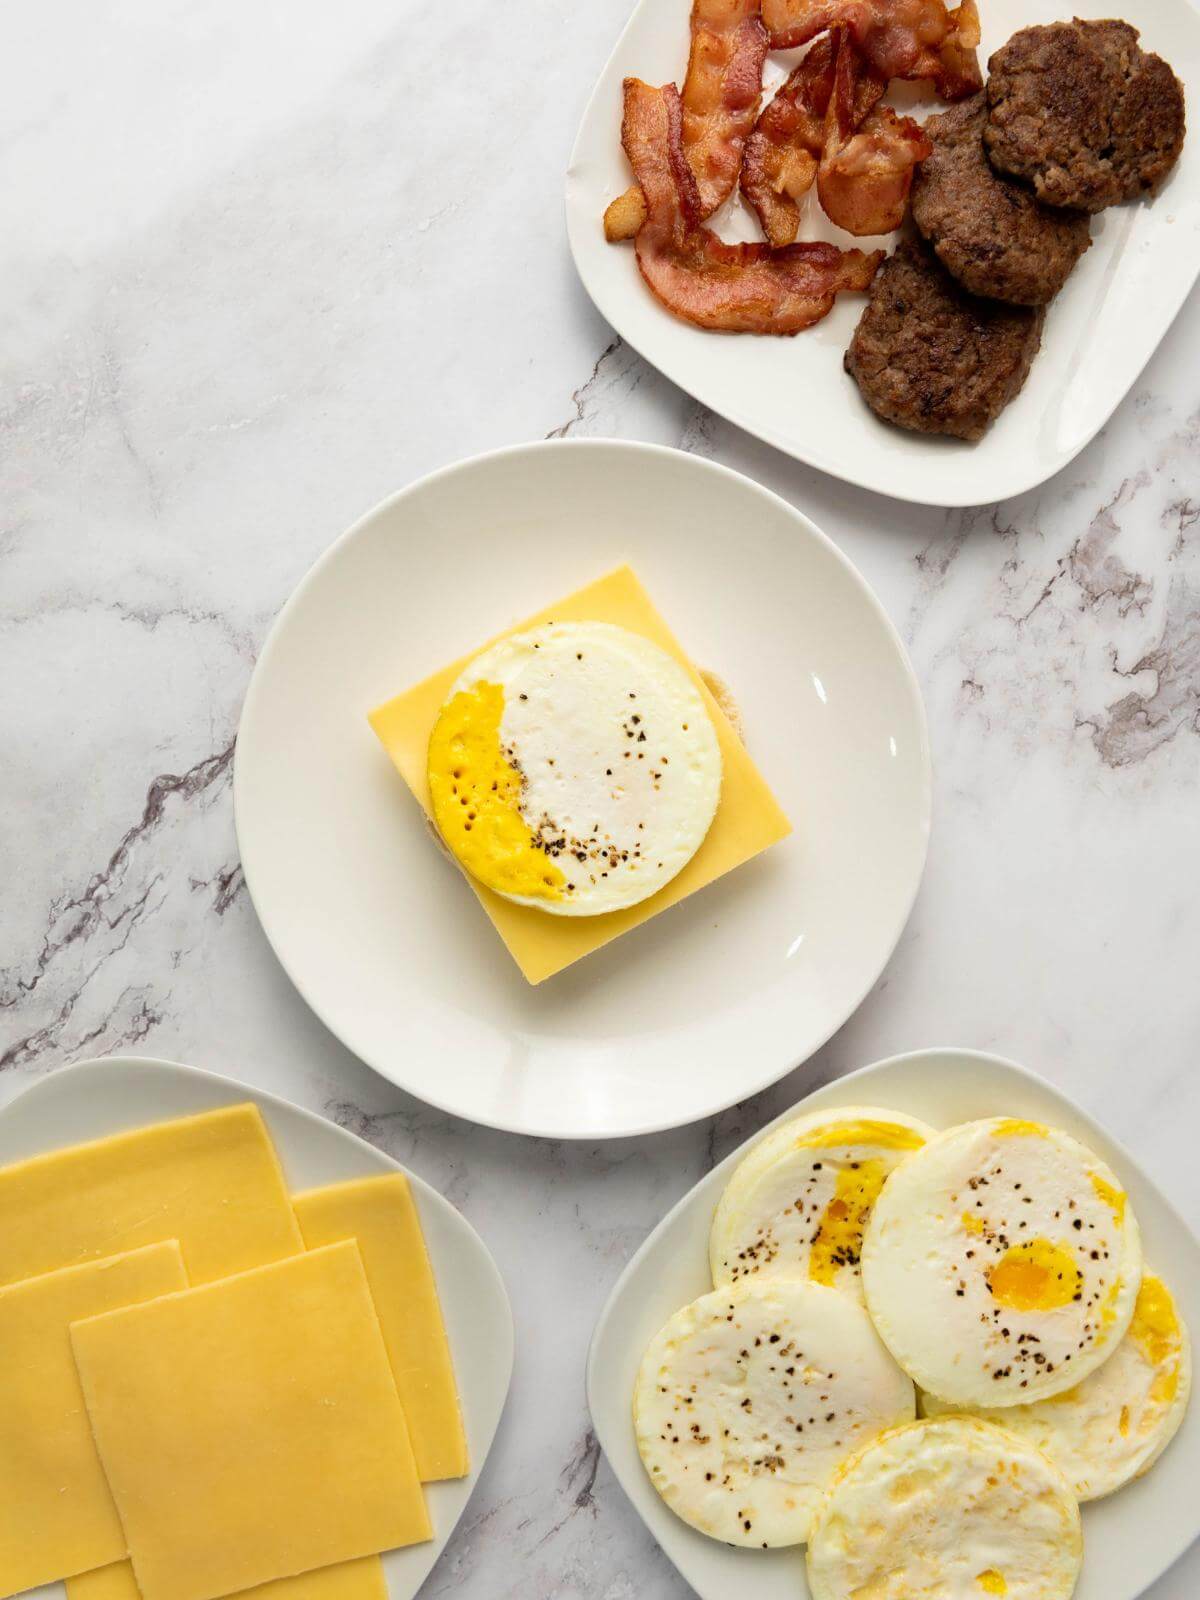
<point x="476" y="797"/>
<point x="972" y="1223"/>
<point x="1037" y="1276"/>
<point x="838" y="1239"/>
<point x="879" y="1135"/>
<point x="991" y="1581"/>
<point x="1018" y="1128"/>
<point x="1112" y="1197"/>
<point x="1155" y="1326"/>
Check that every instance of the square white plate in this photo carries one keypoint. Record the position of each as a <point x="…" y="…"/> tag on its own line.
<point x="1100" y="332"/>
<point x="95" y="1098"/>
<point x="1129" y="1538"/>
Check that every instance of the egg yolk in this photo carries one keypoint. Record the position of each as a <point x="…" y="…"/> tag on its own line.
<point x="1037" y="1276"/>
<point x="476" y="794"/>
<point x="838" y="1240"/>
<point x="1155" y="1326"/>
<point x="1112" y="1197"/>
<point x="1019" y="1128"/>
<point x="878" y="1135"/>
<point x="991" y="1581"/>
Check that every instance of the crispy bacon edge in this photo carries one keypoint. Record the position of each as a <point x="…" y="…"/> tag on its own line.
<point x="892" y="35"/>
<point x="721" y="94"/>
<point x="732" y="288"/>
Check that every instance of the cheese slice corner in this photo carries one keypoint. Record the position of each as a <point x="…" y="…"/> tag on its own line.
<point x="381" y="1215"/>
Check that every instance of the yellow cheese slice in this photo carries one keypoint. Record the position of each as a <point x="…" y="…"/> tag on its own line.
<point x="251" y="1429"/>
<point x="56" y="1513"/>
<point x="211" y="1181"/>
<point x="381" y="1215"/>
<point x="349" y="1580"/>
<point x="748" y="818"/>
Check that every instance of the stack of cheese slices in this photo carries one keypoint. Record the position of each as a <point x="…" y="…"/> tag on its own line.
<point x="210" y="1385"/>
<point x="866" y="1268"/>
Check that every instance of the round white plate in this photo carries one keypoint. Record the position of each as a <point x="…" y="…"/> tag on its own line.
<point x="1129" y="1539"/>
<point x="95" y="1098"/>
<point x="706" y="1002"/>
<point x="1100" y="332"/>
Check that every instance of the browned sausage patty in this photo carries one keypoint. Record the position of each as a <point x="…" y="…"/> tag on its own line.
<point x="988" y="230"/>
<point x="1079" y="110"/>
<point x="931" y="357"/>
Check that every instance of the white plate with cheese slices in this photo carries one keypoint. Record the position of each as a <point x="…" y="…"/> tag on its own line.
<point x="792" y="392"/>
<point x="1130" y="1537"/>
<point x="93" y="1099"/>
<point x="717" y="995"/>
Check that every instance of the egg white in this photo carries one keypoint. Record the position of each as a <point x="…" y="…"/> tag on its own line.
<point x="619" y="760"/>
<point x="948" y="1241"/>
<point x="797" y="1204"/>
<point x="953" y="1507"/>
<point x="748" y="1398"/>
<point x="1112" y="1427"/>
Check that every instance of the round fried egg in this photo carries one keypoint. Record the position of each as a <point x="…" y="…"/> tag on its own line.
<point x="1001" y="1263"/>
<point x="574" y="768"/>
<point x="797" y="1205"/>
<point x="750" y="1397"/>
<point x="955" y="1508"/>
<point x="1112" y="1427"/>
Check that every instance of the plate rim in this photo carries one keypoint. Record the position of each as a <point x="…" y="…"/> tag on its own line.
<point x="999" y="490"/>
<point x="687" y="461"/>
<point x="266" y="1100"/>
<point x="934" y="1053"/>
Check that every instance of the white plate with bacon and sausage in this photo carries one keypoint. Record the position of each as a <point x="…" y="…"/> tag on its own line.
<point x="748" y="298"/>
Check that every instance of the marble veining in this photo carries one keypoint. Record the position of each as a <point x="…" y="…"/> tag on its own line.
<point x="261" y="269"/>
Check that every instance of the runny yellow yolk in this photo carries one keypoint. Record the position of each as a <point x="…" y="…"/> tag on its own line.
<point x="838" y="1240"/>
<point x="1037" y="1276"/>
<point x="1155" y="1326"/>
<point x="476" y="795"/>
<point x="991" y="1581"/>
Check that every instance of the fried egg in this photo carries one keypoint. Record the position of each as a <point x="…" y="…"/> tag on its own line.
<point x="1001" y="1263"/>
<point x="798" y="1203"/>
<point x="955" y="1508"/>
<point x="750" y="1397"/>
<point x="574" y="768"/>
<point x="1112" y="1427"/>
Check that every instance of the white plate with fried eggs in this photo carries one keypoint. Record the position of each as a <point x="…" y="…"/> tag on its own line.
<point x="711" y="999"/>
<point x="1130" y="1537"/>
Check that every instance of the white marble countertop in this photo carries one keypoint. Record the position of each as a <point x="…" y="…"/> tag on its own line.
<point x="265" y="264"/>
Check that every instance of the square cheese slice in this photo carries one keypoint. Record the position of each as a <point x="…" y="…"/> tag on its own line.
<point x="56" y="1513"/>
<point x="380" y="1214"/>
<point x="748" y="817"/>
<point x="349" y="1580"/>
<point x="251" y="1429"/>
<point x="212" y="1181"/>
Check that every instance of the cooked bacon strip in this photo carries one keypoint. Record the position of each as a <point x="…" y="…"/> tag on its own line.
<point x="866" y="167"/>
<point x="721" y="93"/>
<point x="735" y="288"/>
<point x="790" y="137"/>
<point x="899" y="38"/>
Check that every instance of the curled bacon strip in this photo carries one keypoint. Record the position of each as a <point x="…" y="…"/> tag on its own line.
<point x="826" y="125"/>
<point x="721" y="94"/>
<point x="735" y="288"/>
<point x="790" y="137"/>
<point x="907" y="39"/>
<point x="866" y="168"/>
